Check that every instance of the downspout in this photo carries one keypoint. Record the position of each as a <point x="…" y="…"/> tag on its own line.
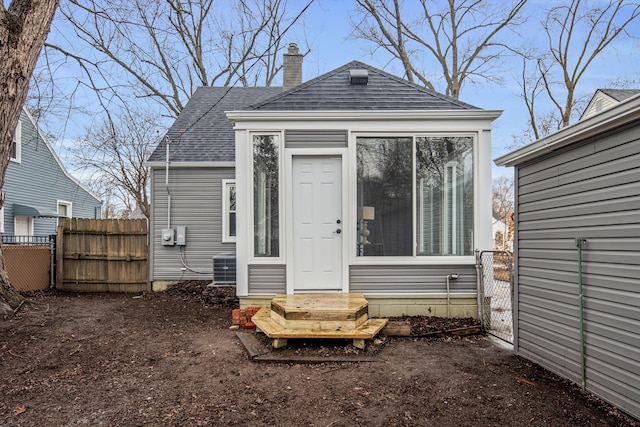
<point x="166" y="182"/>
<point x="579" y="241"/>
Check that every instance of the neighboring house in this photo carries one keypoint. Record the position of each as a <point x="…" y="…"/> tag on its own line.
<point x="606" y="98"/>
<point x="501" y="235"/>
<point x="38" y="189"/>
<point x="355" y="181"/>
<point x="577" y="251"/>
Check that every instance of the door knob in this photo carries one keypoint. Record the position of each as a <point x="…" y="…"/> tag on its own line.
<point x="338" y="231"/>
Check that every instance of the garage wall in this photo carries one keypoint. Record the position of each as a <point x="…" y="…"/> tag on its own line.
<point x="590" y="190"/>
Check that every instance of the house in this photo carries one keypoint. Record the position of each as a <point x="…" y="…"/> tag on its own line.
<point x="501" y="235"/>
<point x="38" y="189"/>
<point x="577" y="253"/>
<point x="354" y="181"/>
<point x="606" y="98"/>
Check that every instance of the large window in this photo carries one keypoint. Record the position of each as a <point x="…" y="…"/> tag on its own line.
<point x="415" y="183"/>
<point x="228" y="210"/>
<point x="266" y="221"/>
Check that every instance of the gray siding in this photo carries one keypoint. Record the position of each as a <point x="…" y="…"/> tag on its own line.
<point x="411" y="279"/>
<point x="196" y="202"/>
<point x="38" y="180"/>
<point x="315" y="138"/>
<point x="267" y="279"/>
<point x="589" y="191"/>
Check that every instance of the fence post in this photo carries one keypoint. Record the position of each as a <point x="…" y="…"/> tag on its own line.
<point x="60" y="253"/>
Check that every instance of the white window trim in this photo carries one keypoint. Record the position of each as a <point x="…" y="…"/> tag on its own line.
<point x="17" y="140"/>
<point x="69" y="206"/>
<point x="2" y="220"/>
<point x="414" y="258"/>
<point x="281" y="259"/>
<point x="226" y="237"/>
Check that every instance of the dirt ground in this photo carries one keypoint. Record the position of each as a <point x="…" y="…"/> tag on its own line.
<point x="170" y="359"/>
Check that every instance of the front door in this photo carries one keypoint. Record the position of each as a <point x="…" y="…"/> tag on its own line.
<point x="317" y="223"/>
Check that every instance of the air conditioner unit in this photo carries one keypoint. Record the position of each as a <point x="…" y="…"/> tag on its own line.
<point x="224" y="269"/>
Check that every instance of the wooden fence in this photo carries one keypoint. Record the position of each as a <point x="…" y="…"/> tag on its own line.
<point x="99" y="255"/>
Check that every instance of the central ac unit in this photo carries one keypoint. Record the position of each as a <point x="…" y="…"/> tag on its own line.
<point x="224" y="269"/>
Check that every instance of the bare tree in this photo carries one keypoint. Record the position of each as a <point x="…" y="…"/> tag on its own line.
<point x="503" y="207"/>
<point x="164" y="49"/>
<point x="576" y="34"/>
<point x="113" y="154"/>
<point x="461" y="36"/>
<point x="24" y="26"/>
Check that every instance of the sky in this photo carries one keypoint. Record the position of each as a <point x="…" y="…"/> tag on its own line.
<point x="326" y="29"/>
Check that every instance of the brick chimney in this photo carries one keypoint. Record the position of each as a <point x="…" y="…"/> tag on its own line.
<point x="291" y="67"/>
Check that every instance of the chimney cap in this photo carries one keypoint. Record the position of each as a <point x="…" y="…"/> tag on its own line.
<point x="358" y="76"/>
<point x="293" y="49"/>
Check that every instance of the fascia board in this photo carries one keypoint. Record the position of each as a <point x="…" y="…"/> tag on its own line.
<point x="620" y="115"/>
<point x="361" y="115"/>
<point x="179" y="164"/>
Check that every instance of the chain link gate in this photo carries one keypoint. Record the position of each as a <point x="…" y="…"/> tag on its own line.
<point x="495" y="293"/>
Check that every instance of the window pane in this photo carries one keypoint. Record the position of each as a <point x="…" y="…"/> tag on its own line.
<point x="231" y="209"/>
<point x="265" y="196"/>
<point x="384" y="168"/>
<point x="444" y="195"/>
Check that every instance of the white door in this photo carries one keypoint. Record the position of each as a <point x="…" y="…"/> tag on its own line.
<point x="317" y="223"/>
<point x="23" y="228"/>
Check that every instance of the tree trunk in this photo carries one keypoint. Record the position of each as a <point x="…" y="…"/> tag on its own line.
<point x="24" y="26"/>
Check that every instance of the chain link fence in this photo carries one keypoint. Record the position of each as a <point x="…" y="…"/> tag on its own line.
<point x="29" y="261"/>
<point x="496" y="293"/>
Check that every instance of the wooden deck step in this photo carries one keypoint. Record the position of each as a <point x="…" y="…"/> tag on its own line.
<point x="318" y="316"/>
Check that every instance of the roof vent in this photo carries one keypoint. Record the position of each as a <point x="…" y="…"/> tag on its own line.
<point x="358" y="77"/>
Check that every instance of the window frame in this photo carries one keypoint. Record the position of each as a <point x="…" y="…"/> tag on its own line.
<point x="357" y="259"/>
<point x="279" y="142"/>
<point x="226" y="212"/>
<point x="17" y="144"/>
<point x="69" y="206"/>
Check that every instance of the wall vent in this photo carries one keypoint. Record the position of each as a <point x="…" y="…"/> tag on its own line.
<point x="224" y="269"/>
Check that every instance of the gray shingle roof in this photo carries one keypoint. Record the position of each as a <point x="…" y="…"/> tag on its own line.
<point x="332" y="91"/>
<point x="620" y="94"/>
<point x="207" y="134"/>
<point x="209" y="137"/>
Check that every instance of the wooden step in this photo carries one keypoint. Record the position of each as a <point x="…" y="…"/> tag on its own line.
<point x="318" y="316"/>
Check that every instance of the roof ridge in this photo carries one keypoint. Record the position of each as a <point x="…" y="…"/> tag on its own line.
<point x="357" y="63"/>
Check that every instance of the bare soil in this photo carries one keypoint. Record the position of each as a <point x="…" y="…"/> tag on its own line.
<point x="170" y="359"/>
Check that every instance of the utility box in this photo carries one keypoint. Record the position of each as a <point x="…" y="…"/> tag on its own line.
<point x="167" y="237"/>
<point x="181" y="235"/>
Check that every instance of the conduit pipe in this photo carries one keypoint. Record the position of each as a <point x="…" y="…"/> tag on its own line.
<point x="452" y="276"/>
<point x="166" y="182"/>
<point x="579" y="241"/>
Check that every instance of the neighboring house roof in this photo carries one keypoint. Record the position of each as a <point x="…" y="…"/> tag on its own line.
<point x="56" y="158"/>
<point x="620" y="94"/>
<point x="606" y="98"/>
<point x="208" y="135"/>
<point x="384" y="91"/>
<point x="624" y="113"/>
